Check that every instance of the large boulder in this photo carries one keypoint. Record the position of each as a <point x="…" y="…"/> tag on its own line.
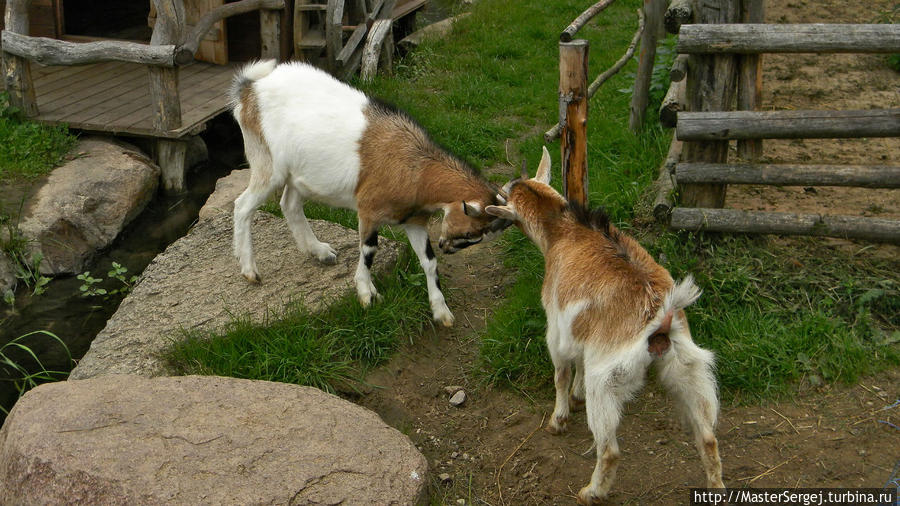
<point x="201" y="440"/>
<point x="86" y="202"/>
<point x="227" y="189"/>
<point x="195" y="284"/>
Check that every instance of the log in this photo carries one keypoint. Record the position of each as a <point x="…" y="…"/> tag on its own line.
<point x="866" y="176"/>
<point x="750" y="82"/>
<point x="679" y="13"/>
<point x="573" y="110"/>
<point x="802" y="38"/>
<point x="679" y="68"/>
<point x="640" y="96"/>
<point x="57" y="52"/>
<point x="16" y="69"/>
<point x="582" y="19"/>
<point x="672" y="104"/>
<point x="758" y="222"/>
<point x="662" y="204"/>
<point x="710" y="87"/>
<point x="172" y="159"/>
<point x="553" y="133"/>
<point x="203" y="25"/>
<point x="717" y="126"/>
<point x="373" y="48"/>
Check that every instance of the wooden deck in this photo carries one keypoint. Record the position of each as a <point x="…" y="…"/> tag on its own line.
<point x="114" y="97"/>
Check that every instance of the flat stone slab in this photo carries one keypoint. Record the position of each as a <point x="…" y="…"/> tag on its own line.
<point x="201" y="440"/>
<point x="196" y="284"/>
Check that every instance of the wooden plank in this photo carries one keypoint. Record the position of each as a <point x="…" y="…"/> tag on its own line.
<point x="111" y="84"/>
<point x="758" y="222"/>
<point x="188" y="86"/>
<point x="710" y="87"/>
<point x="868" y="176"/>
<point x="48" y="75"/>
<point x="794" y="38"/>
<point x="69" y="79"/>
<point x="719" y="126"/>
<point x="352" y="43"/>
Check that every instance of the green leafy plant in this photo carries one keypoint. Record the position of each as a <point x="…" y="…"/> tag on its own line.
<point x="26" y="268"/>
<point x="29" y="149"/>
<point x="13" y="358"/>
<point x="90" y="286"/>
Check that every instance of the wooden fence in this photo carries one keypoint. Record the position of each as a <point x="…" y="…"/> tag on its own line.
<point x="720" y="58"/>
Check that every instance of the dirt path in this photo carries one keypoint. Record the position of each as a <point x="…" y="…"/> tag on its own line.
<point x="493" y="448"/>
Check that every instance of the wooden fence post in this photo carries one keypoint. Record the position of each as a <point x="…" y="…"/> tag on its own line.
<point x="750" y="81"/>
<point x="640" y="96"/>
<point x="170" y="153"/>
<point x="270" y="34"/>
<point x="710" y="87"/>
<point x="16" y="70"/>
<point x="573" y="110"/>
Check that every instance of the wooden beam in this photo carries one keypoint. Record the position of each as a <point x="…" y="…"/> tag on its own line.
<point x="679" y="68"/>
<point x="351" y="45"/>
<point x="204" y="24"/>
<point x="334" y="16"/>
<point x="270" y="34"/>
<point x="867" y="176"/>
<point x="717" y="126"/>
<point x="640" y="96"/>
<point x="802" y="38"/>
<point x="672" y="104"/>
<point x="710" y="87"/>
<point x="57" y="52"/>
<point x="750" y="81"/>
<point x="758" y="222"/>
<point x="665" y="183"/>
<point x="16" y="69"/>
<point x="679" y="13"/>
<point x="582" y="19"/>
<point x="573" y="110"/>
<point x="372" y="51"/>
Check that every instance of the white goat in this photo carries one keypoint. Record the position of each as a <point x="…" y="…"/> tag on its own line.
<point x="611" y="311"/>
<point x="323" y="140"/>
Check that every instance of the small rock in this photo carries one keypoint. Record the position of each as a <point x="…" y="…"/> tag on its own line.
<point x="454" y="455"/>
<point x="458" y="398"/>
<point x="444" y="477"/>
<point x="461" y="502"/>
<point x="452" y="389"/>
<point x="661" y="441"/>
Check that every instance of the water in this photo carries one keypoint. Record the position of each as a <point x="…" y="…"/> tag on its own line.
<point x="76" y="319"/>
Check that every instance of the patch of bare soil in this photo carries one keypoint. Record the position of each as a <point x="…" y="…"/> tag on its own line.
<point x="494" y="449"/>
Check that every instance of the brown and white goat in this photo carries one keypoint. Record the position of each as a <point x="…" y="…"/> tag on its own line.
<point x="323" y="140"/>
<point x="611" y="312"/>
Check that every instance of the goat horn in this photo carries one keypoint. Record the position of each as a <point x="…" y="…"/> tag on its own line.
<point x="524" y="174"/>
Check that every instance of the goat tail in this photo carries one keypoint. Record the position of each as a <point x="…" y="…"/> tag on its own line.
<point x="682" y="295"/>
<point x="249" y="73"/>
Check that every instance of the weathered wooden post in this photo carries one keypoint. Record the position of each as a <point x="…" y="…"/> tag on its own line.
<point x="640" y="96"/>
<point x="270" y="34"/>
<point x="573" y="111"/>
<point x="168" y="29"/>
<point x="750" y="81"/>
<point x="16" y="70"/>
<point x="710" y="87"/>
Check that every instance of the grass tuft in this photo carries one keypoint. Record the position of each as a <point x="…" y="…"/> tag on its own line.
<point x="324" y="349"/>
<point x="29" y="149"/>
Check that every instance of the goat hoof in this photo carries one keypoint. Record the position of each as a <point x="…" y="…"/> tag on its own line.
<point x="587" y="496"/>
<point x="252" y="277"/>
<point x="326" y="254"/>
<point x="557" y="426"/>
<point x="446" y="319"/>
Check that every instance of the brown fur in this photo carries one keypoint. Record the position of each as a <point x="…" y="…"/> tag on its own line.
<point x="252" y="125"/>
<point x="584" y="262"/>
<point x="404" y="174"/>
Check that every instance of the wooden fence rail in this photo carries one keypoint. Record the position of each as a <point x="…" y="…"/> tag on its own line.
<point x="806" y="38"/>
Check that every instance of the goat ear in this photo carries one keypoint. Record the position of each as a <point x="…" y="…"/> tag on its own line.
<point x="543" y="171"/>
<point x="473" y="209"/>
<point x="505" y="212"/>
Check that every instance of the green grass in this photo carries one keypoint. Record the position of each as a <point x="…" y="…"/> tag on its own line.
<point x="21" y="366"/>
<point x="329" y="349"/>
<point x="29" y="149"/>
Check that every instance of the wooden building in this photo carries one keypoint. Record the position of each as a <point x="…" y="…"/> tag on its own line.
<point x="160" y="68"/>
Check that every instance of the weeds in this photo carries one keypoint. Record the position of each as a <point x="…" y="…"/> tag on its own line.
<point x="26" y="266"/>
<point x="90" y="285"/>
<point x="16" y="372"/>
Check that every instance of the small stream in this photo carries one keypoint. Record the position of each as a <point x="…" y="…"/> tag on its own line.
<point x="76" y="320"/>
